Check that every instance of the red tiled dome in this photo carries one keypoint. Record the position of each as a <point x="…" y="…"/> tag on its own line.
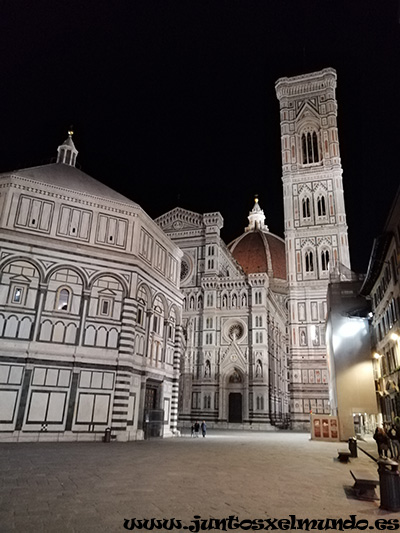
<point x="260" y="251"/>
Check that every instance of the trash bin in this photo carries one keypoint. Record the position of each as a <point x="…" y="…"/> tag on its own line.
<point x="353" y="446"/>
<point x="107" y="435"/>
<point x="389" y="482"/>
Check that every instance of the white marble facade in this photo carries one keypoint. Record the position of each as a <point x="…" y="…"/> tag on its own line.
<point x="234" y="368"/>
<point x="90" y="310"/>
<point x="108" y="319"/>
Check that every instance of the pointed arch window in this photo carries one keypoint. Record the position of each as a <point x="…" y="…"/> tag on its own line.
<point x="321" y="206"/>
<point x="309" y="146"/>
<point x="306" y="207"/>
<point x="325" y="260"/>
<point x="309" y="257"/>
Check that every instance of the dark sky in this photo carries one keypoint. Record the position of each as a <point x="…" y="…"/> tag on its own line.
<point x="173" y="103"/>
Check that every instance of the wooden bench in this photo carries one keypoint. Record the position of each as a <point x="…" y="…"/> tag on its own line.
<point x="344" y="455"/>
<point x="365" y="484"/>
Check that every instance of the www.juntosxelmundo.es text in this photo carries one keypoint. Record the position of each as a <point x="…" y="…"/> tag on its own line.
<point x="291" y="523"/>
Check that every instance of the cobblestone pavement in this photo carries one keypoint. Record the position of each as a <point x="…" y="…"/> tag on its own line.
<point x="93" y="487"/>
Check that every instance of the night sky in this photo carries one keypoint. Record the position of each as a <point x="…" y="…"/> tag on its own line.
<point x="173" y="103"/>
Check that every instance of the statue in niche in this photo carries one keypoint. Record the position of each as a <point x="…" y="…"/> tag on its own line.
<point x="258" y="369"/>
<point x="303" y="339"/>
<point x="234" y="300"/>
<point x="235" y="377"/>
<point x="207" y="369"/>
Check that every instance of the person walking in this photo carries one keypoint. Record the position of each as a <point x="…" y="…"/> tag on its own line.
<point x="196" y="429"/>
<point x="382" y="442"/>
<point x="394" y="437"/>
<point x="203" y="428"/>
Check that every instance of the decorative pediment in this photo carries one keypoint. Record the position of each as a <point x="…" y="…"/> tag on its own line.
<point x="107" y="292"/>
<point x="233" y="358"/>
<point x="308" y="111"/>
<point x="20" y="279"/>
<point x="180" y="220"/>
<point x="304" y="188"/>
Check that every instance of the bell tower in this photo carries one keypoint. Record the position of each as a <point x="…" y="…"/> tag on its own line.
<point x="315" y="229"/>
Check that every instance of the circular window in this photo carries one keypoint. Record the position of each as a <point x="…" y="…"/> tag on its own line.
<point x="236" y="331"/>
<point x="186" y="267"/>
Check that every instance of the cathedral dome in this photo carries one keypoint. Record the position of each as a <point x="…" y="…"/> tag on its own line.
<point x="258" y="250"/>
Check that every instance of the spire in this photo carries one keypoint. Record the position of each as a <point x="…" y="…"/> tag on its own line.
<point x="256" y="218"/>
<point x="67" y="152"/>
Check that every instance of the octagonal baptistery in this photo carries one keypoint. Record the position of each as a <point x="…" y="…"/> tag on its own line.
<point x="259" y="251"/>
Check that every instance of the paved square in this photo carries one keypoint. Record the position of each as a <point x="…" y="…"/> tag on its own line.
<point x="93" y="487"/>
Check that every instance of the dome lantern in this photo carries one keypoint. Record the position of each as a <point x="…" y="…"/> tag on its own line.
<point x="256" y="218"/>
<point x="67" y="152"/>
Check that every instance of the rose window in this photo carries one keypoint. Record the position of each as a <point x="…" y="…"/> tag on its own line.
<point x="236" y="331"/>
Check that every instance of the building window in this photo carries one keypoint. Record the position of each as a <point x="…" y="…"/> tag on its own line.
<point x="309" y="257"/>
<point x="321" y="206"/>
<point x="17" y="293"/>
<point x="306" y="208"/>
<point x="105" y="307"/>
<point x="309" y="144"/>
<point x="325" y="260"/>
<point x="63" y="299"/>
<point x="140" y="315"/>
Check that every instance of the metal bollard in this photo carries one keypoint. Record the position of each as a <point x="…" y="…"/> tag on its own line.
<point x="389" y="482"/>
<point x="353" y="446"/>
<point x="107" y="435"/>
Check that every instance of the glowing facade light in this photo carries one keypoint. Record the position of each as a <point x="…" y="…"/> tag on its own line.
<point x="377" y="355"/>
<point x="395" y="337"/>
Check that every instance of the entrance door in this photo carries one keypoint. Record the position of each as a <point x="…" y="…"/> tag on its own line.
<point x="235" y="407"/>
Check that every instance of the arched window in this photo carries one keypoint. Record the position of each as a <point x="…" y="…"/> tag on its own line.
<point x="325" y="260"/>
<point x="309" y="256"/>
<point x="321" y="206"/>
<point x="306" y="207"/>
<point x="309" y="146"/>
<point x="142" y="307"/>
<point x="207" y="369"/>
<point x="63" y="299"/>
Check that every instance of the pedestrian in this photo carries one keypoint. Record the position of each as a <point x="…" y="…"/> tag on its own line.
<point x="196" y="429"/>
<point x="394" y="436"/>
<point x="203" y="428"/>
<point x="192" y="430"/>
<point x="382" y="442"/>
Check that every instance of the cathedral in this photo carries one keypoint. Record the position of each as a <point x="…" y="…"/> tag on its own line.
<point x="112" y="321"/>
<point x="255" y="310"/>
